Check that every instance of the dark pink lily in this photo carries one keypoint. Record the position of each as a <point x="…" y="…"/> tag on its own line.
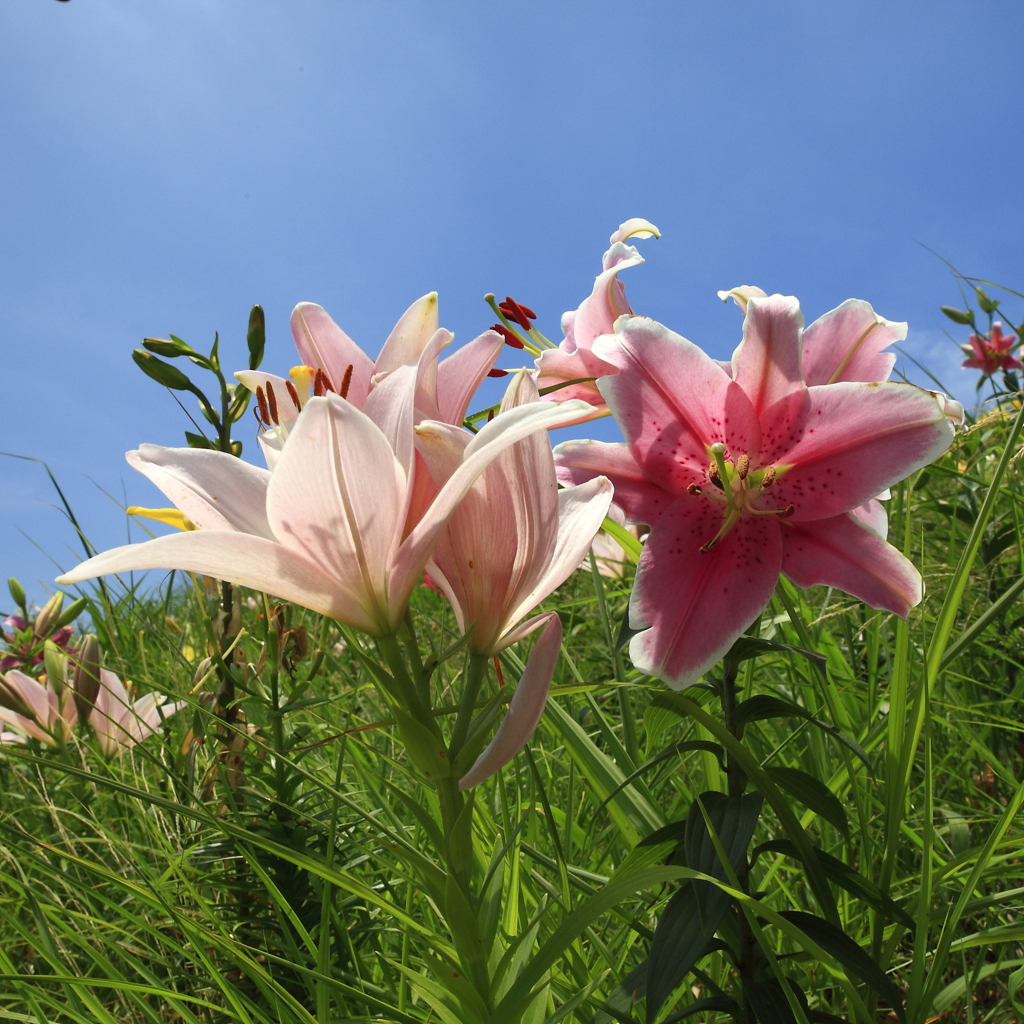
<point x="747" y="474"/>
<point x="575" y="356"/>
<point x="992" y="353"/>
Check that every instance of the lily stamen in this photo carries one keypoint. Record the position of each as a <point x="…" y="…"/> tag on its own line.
<point x="346" y="382"/>
<point x="261" y="401"/>
<point x="272" y="403"/>
<point x="293" y="395"/>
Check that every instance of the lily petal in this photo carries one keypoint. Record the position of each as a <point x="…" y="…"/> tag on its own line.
<point x="741" y="294"/>
<point x="640" y="500"/>
<point x="635" y="227"/>
<point x="673" y="402"/>
<point x="525" y="709"/>
<point x="215" y="490"/>
<point x="461" y="373"/>
<point x="692" y="606"/>
<point x="240" y="559"/>
<point x="410" y="336"/>
<point x="842" y="552"/>
<point x="851" y="442"/>
<point x="322" y="343"/>
<point x="846" y="344"/>
<point x="766" y="364"/>
<point x="338" y="496"/>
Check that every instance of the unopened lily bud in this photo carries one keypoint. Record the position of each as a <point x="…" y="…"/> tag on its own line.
<point x="71" y="613"/>
<point x="987" y="304"/>
<point x="959" y="316"/>
<point x="17" y="592"/>
<point x="172" y="349"/>
<point x="46" y="620"/>
<point x="256" y="337"/>
<point x="161" y="372"/>
<point x="56" y="666"/>
<point x="86" y="677"/>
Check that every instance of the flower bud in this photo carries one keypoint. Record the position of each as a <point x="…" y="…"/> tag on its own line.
<point x="17" y="592"/>
<point x="161" y="372"/>
<point x="86" y="677"/>
<point x="71" y="613"/>
<point x="257" y="337"/>
<point x="46" y="620"/>
<point x="987" y="304"/>
<point x="56" y="667"/>
<point x="959" y="316"/>
<point x="172" y="349"/>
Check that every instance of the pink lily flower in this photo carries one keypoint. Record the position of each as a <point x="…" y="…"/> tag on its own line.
<point x="332" y="361"/>
<point x="35" y="709"/>
<point x="575" y="356"/>
<point x="119" y="722"/>
<point x="515" y="538"/>
<point x="333" y="526"/>
<point x="992" y="353"/>
<point x="747" y="475"/>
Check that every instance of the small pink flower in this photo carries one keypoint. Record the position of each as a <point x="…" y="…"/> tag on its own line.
<point x="36" y="709"/>
<point x="992" y="353"/>
<point x="120" y="722"/>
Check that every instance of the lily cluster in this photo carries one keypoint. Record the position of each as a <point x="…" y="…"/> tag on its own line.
<point x="774" y="462"/>
<point x="48" y="709"/>
<point x="371" y="479"/>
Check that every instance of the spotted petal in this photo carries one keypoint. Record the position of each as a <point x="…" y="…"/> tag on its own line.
<point x="690" y="606"/>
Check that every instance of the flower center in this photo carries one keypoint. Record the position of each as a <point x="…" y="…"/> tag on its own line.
<point x="736" y="488"/>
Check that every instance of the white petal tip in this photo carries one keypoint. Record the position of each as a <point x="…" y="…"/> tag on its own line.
<point x="635" y="227"/>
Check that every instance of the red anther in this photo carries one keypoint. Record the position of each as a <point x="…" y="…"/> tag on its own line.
<point x="261" y="401"/>
<point x="497" y="668"/>
<point x="490" y="415"/>
<point x="328" y="386"/>
<point x="293" y="395"/>
<point x="509" y="336"/>
<point x="787" y="511"/>
<point x="710" y="546"/>
<point x="768" y="479"/>
<point x="522" y="315"/>
<point x="497" y="373"/>
<point x="693" y="489"/>
<point x="319" y="384"/>
<point x="272" y="402"/>
<point x="346" y="381"/>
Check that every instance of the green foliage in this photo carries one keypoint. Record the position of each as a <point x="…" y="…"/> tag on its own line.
<point x="290" y="861"/>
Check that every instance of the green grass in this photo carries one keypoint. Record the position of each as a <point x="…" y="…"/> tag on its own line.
<point x="281" y="869"/>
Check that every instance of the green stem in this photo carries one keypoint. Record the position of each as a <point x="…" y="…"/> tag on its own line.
<point x="474" y="675"/>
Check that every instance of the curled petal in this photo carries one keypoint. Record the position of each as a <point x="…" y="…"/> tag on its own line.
<point x="873" y="515"/>
<point x="556" y="366"/>
<point x="635" y="227"/>
<point x="460" y="375"/>
<point x="691" y="607"/>
<point x="525" y="709"/>
<point x="215" y="490"/>
<point x="843" y="552"/>
<point x="741" y="294"/>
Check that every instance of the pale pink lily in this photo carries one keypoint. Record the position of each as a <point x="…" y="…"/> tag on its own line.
<point x="526" y="707"/>
<point x="515" y="538"/>
<point x="333" y="526"/>
<point x="38" y="710"/>
<point x="745" y="475"/>
<point x="575" y="356"/>
<point x="443" y="389"/>
<point x="119" y="722"/>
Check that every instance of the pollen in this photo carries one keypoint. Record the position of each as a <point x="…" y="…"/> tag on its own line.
<point x="346" y="381"/>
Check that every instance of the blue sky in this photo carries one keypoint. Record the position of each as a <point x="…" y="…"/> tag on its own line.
<point x="166" y="164"/>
